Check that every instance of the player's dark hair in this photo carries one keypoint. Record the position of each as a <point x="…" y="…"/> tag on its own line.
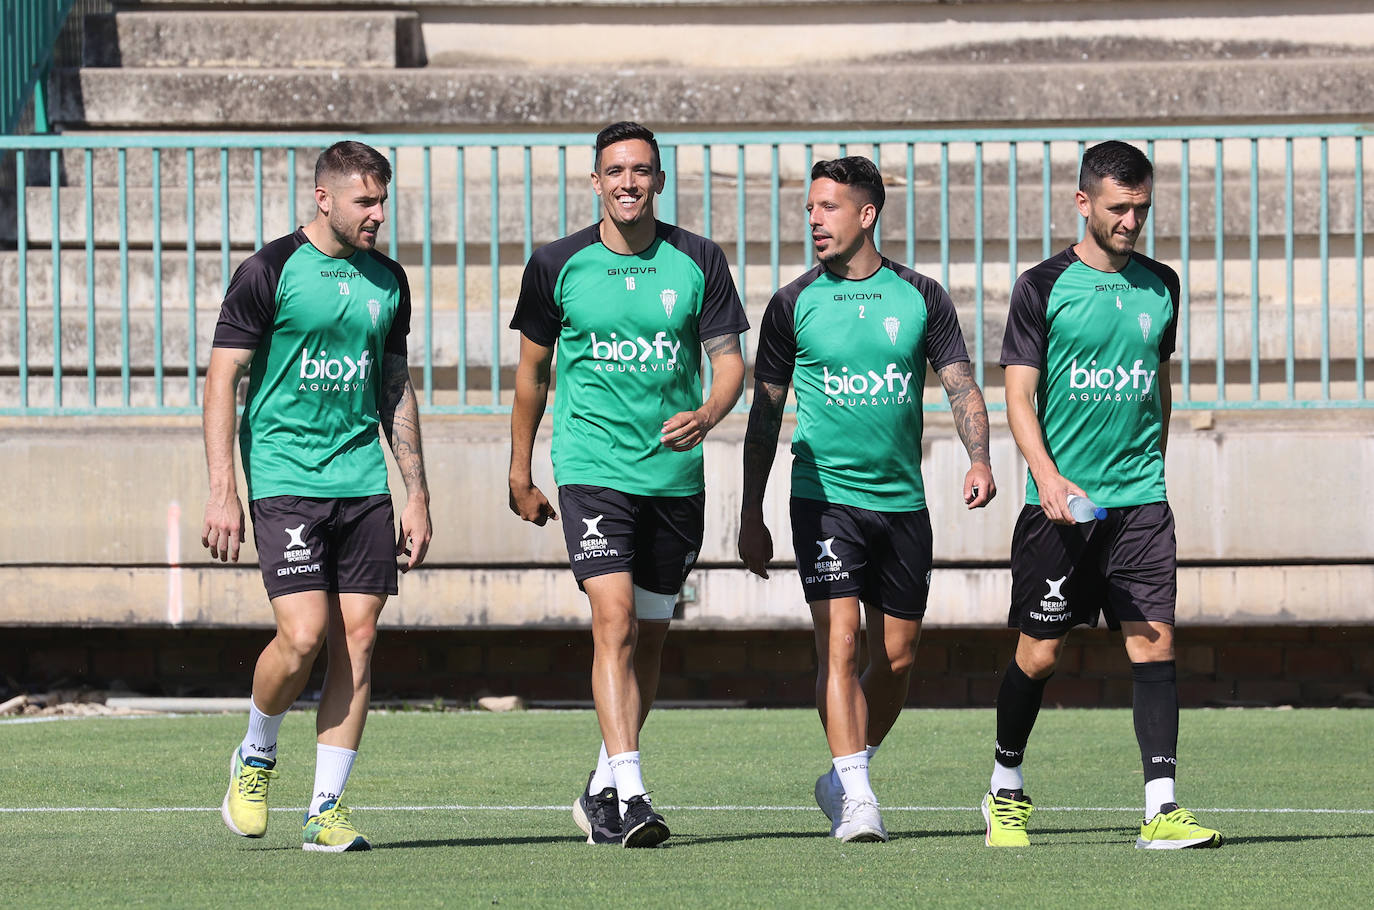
<point x="344" y="159"/>
<point x="856" y="171"/>
<point x="624" y="131"/>
<point x="1125" y="164"/>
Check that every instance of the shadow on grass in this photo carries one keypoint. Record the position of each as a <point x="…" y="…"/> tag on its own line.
<point x="445" y="842"/>
<point x="473" y="842"/>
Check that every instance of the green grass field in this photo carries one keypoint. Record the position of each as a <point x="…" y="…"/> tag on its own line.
<point x="471" y="809"/>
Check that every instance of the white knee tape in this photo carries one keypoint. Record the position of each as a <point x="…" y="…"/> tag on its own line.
<point x="649" y="605"/>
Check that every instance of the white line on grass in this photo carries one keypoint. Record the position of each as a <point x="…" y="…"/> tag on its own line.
<point x="37" y="810"/>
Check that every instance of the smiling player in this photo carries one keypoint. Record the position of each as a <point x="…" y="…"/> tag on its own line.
<point x="630" y="303"/>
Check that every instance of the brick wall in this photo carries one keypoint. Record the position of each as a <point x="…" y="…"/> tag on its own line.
<point x="954" y="668"/>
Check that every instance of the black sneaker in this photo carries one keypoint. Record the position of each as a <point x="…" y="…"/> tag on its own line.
<point x="598" y="816"/>
<point x="643" y="826"/>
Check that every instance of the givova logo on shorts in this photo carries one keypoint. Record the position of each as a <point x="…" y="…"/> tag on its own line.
<point x="297" y="553"/>
<point x="321" y="373"/>
<point x="593" y="542"/>
<point x="1054" y="606"/>
<point x="829" y="567"/>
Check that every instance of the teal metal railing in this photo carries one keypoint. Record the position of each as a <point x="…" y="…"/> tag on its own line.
<point x="28" y="31"/>
<point x="119" y="247"/>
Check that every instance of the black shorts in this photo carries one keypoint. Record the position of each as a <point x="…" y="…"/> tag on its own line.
<point x="654" y="538"/>
<point x="1125" y="566"/>
<point x="337" y="545"/>
<point x="883" y="558"/>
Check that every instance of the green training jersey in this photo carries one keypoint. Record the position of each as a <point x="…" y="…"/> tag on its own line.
<point x="318" y="328"/>
<point x="1097" y="339"/>
<point x="856" y="350"/>
<point x="628" y="331"/>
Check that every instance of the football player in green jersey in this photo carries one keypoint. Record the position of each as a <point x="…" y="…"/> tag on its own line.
<point x="630" y="303"/>
<point x="307" y="319"/>
<point x="1086" y="352"/>
<point x="854" y="335"/>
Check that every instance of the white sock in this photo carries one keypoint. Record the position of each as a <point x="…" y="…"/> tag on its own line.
<point x="834" y="775"/>
<point x="853" y="773"/>
<point x="261" y="739"/>
<point x="603" y="777"/>
<point x="332" y="767"/>
<point x="1158" y="792"/>
<point x="1004" y="778"/>
<point x="628" y="779"/>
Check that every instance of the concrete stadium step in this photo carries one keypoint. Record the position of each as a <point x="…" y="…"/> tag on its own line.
<point x="889" y="96"/>
<point x="407" y="218"/>
<point x="254" y="39"/>
<point x="1312" y="334"/>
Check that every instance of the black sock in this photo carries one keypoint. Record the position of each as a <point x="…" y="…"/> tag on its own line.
<point x="1156" y="717"/>
<point x="1018" y="704"/>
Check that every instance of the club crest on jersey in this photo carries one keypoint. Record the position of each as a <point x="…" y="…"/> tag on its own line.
<point x="890" y="325"/>
<point x="1144" y="320"/>
<point x="374" y="309"/>
<point x="668" y="297"/>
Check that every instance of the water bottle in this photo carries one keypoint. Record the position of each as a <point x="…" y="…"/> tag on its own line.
<point x="1083" y="510"/>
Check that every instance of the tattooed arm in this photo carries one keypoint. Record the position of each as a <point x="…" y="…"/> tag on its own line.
<point x="760" y="447"/>
<point x="400" y="416"/>
<point x="222" y="532"/>
<point x="971" y="422"/>
<point x="688" y="429"/>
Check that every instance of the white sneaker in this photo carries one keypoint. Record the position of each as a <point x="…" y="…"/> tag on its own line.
<point x="830" y="797"/>
<point x="860" y="823"/>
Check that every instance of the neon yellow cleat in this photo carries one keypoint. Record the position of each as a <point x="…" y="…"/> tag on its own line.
<point x="1175" y="829"/>
<point x="1006" y="813"/>
<point x="332" y="832"/>
<point x="245" y="804"/>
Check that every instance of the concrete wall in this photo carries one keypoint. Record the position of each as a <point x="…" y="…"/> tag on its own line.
<point x="1218" y="666"/>
<point x="121" y="501"/>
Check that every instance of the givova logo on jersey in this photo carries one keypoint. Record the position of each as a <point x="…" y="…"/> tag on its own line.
<point x="321" y="373"/>
<point x="1100" y="382"/>
<point x="854" y="388"/>
<point x="635" y="355"/>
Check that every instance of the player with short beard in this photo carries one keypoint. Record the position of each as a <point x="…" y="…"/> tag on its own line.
<point x="854" y="335"/>
<point x="317" y="321"/>
<point x="629" y="303"/>
<point x="1086" y="353"/>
